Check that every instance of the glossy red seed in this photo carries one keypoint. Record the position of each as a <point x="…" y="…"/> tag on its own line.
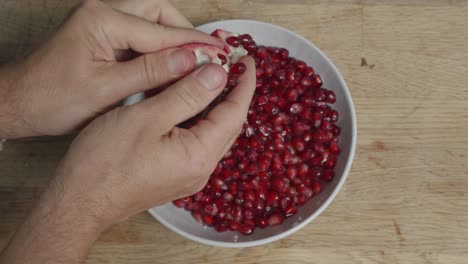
<point x="238" y="68"/>
<point x="221" y="226"/>
<point x="317" y="187"/>
<point x="275" y="219"/>
<point x="208" y="220"/>
<point x="316" y="81"/>
<point x="262" y="52"/>
<point x="303" y="169"/>
<point x="291" y="172"/>
<point x="306" y="82"/>
<point x="290" y="210"/>
<point x="330" y="97"/>
<point x="309" y="71"/>
<point x="233" y="41"/>
<point x="298" y="144"/>
<point x="292" y="95"/>
<point x="296" y="108"/>
<point x="300" y="65"/>
<point x="272" y="198"/>
<point x="246" y="229"/>
<point x="328" y="174"/>
<point x="262" y="222"/>
<point x="233" y="225"/>
<point x="333" y="115"/>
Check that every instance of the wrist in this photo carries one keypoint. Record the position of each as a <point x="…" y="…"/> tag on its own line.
<point x="58" y="230"/>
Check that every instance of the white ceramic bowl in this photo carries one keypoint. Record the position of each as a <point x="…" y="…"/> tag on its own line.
<point x="181" y="222"/>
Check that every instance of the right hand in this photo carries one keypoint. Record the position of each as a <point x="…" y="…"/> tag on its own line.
<point x="134" y="157"/>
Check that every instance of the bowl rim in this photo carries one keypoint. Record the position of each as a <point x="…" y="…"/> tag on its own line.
<point x="327" y="202"/>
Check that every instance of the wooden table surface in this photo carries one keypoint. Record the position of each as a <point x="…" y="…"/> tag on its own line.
<point x="406" y="199"/>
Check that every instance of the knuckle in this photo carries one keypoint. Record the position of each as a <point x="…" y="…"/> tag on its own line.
<point x="189" y="98"/>
<point x="151" y="70"/>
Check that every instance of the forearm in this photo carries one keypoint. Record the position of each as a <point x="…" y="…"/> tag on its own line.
<point x="59" y="230"/>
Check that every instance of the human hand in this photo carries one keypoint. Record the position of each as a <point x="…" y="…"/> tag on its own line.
<point x="84" y="69"/>
<point x="134" y="157"/>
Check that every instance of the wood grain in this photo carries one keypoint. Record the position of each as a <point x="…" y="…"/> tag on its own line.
<point x="406" y="197"/>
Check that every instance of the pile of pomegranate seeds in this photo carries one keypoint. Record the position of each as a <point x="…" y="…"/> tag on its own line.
<point x="287" y="149"/>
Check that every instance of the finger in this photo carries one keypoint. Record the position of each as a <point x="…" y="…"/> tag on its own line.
<point x="223" y="122"/>
<point x="187" y="97"/>
<point x="158" y="11"/>
<point x="146" y="72"/>
<point x="124" y="31"/>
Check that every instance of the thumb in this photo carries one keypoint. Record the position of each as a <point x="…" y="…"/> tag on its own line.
<point x="185" y="98"/>
<point x="147" y="71"/>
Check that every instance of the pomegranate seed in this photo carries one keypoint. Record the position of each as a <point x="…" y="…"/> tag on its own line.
<point x="309" y="71"/>
<point x="296" y="108"/>
<point x="333" y="115"/>
<point x="290" y="210"/>
<point x="316" y="81"/>
<point x="315" y="172"/>
<point x="246" y="229"/>
<point x="298" y="144"/>
<point x="291" y="172"/>
<point x="233" y="41"/>
<point x="334" y="148"/>
<point x="272" y="198"/>
<point x="328" y="174"/>
<point x="208" y="220"/>
<point x="303" y="169"/>
<point x="233" y="225"/>
<point x="330" y="97"/>
<point x="306" y="82"/>
<point x="275" y="219"/>
<point x="222" y="58"/>
<point x="300" y="65"/>
<point x="238" y="68"/>
<point x="317" y="187"/>
<point x="262" y="222"/>
<point x="221" y="226"/>
<point x="262" y="52"/>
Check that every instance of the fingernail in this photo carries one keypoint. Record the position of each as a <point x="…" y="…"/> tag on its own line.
<point x="180" y="61"/>
<point x="211" y="77"/>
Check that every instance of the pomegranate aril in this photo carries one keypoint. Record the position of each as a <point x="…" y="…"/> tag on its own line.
<point x="208" y="220"/>
<point x="317" y="187"/>
<point x="221" y="226"/>
<point x="316" y="81"/>
<point x="309" y="71"/>
<point x="262" y="222"/>
<point x="238" y="68"/>
<point x="328" y="174"/>
<point x="298" y="144"/>
<point x="290" y="210"/>
<point x="272" y="198"/>
<point x="300" y="65"/>
<point x="303" y="169"/>
<point x="291" y="172"/>
<point x="275" y="219"/>
<point x="246" y="229"/>
<point x="330" y="97"/>
<point x="333" y="115"/>
<point x="296" y="108"/>
<point x="334" y="148"/>
<point x="233" y="41"/>
<point x="233" y="225"/>
<point x="262" y="52"/>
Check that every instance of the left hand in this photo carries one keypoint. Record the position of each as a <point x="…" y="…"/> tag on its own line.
<point x="83" y="70"/>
